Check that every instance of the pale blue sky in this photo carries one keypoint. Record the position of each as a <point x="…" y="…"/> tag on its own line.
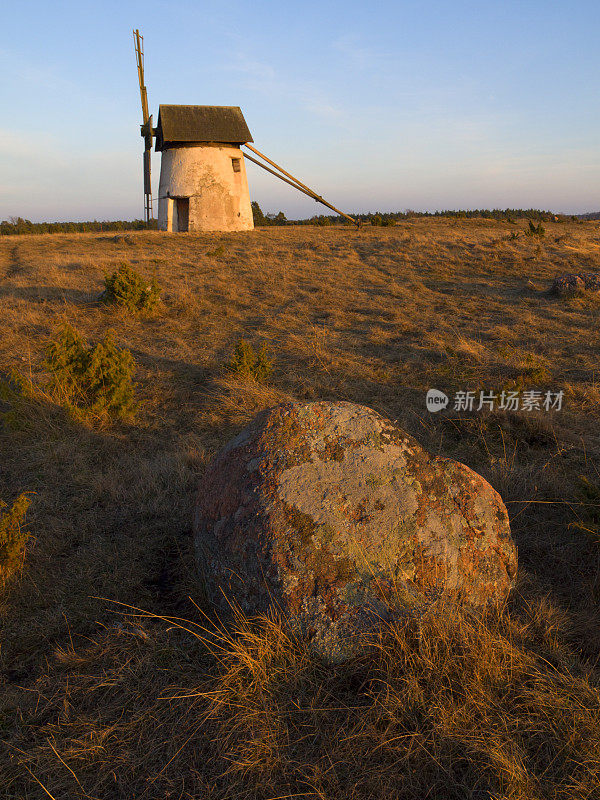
<point x="380" y="105"/>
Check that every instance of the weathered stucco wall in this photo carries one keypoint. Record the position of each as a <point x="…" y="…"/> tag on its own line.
<point x="218" y="196"/>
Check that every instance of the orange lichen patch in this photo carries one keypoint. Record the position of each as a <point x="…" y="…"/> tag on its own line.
<point x="332" y="450"/>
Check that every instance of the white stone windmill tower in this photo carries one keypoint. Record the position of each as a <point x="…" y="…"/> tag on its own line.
<point x="203" y="184"/>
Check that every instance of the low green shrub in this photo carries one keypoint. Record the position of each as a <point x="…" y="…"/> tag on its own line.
<point x="95" y="380"/>
<point x="535" y="230"/>
<point x="125" y="287"/>
<point x="13" y="536"/>
<point x="249" y="363"/>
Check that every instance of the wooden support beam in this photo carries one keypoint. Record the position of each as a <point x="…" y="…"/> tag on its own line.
<point x="277" y="175"/>
<point x="295" y="182"/>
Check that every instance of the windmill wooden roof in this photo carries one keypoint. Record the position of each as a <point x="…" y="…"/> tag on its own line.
<point x="181" y="124"/>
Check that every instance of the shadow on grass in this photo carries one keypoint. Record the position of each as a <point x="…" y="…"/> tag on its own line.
<point x="110" y="517"/>
<point x="51" y="294"/>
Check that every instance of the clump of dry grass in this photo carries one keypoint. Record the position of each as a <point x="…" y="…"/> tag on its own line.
<point x="588" y="518"/>
<point x="15" y="392"/>
<point x="13" y="536"/>
<point x="464" y="705"/>
<point x="447" y="705"/>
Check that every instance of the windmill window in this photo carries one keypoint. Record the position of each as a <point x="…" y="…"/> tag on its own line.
<point x="236" y="164"/>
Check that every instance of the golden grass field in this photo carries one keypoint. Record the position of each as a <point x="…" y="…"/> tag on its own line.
<point x="99" y="701"/>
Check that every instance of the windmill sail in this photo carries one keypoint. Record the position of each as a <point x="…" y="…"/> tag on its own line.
<point x="146" y="127"/>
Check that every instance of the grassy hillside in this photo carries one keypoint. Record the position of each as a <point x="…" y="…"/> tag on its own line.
<point x="99" y="701"/>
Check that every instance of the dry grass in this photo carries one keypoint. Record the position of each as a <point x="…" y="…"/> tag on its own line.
<point x="99" y="705"/>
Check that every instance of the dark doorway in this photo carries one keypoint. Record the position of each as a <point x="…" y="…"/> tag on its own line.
<point x="183" y="214"/>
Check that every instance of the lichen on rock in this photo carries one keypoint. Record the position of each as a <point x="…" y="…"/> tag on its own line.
<point x="336" y="517"/>
<point x="572" y="283"/>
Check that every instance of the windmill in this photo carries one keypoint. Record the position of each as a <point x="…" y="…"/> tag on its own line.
<point x="203" y="184"/>
<point x="146" y="128"/>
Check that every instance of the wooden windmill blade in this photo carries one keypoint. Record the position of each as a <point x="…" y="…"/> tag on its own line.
<point x="146" y="127"/>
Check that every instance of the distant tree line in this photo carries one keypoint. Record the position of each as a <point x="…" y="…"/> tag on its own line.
<point x="506" y="214"/>
<point x="385" y="218"/>
<point x="18" y="225"/>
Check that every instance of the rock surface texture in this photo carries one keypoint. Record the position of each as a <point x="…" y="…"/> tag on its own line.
<point x="334" y="515"/>
<point x="572" y="283"/>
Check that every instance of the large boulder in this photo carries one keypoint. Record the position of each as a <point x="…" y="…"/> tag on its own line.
<point x="332" y="514"/>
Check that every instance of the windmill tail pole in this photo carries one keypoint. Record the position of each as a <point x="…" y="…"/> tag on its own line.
<point x="295" y="182"/>
<point x="281" y="178"/>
